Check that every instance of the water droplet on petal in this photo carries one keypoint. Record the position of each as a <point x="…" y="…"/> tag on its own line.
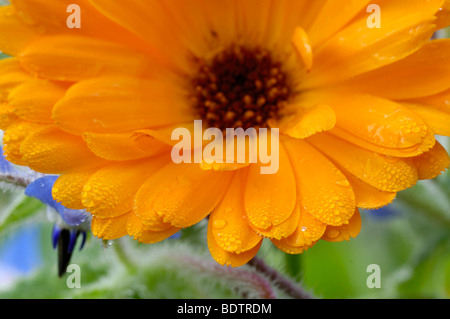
<point x="343" y="183"/>
<point x="333" y="233"/>
<point x="219" y="223"/>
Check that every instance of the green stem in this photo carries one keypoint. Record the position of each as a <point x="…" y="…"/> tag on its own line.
<point x="120" y="250"/>
<point x="293" y="265"/>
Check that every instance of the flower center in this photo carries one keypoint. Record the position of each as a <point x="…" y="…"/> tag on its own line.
<point x="240" y="87"/>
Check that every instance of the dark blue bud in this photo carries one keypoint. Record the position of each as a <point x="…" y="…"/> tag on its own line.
<point x="72" y="241"/>
<point x="56" y="232"/>
<point x="83" y="241"/>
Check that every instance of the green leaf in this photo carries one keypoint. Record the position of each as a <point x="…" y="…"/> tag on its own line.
<point x="429" y="198"/>
<point x="21" y="210"/>
<point x="430" y="272"/>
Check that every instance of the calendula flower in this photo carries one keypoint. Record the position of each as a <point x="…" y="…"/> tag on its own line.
<point x="357" y="108"/>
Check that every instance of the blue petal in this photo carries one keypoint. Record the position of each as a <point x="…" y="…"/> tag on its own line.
<point x="72" y="241"/>
<point x="83" y="240"/>
<point x="175" y="236"/>
<point x="383" y="213"/>
<point x="55" y="235"/>
<point x="42" y="190"/>
<point x="5" y="166"/>
<point x="72" y="217"/>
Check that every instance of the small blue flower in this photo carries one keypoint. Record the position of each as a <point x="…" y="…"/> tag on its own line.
<point x="175" y="236"/>
<point x="383" y="213"/>
<point x="64" y="237"/>
<point x="73" y="235"/>
<point x="66" y="232"/>
<point x="64" y="240"/>
<point x="42" y="190"/>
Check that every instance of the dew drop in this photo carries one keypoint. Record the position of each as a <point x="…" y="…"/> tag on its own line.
<point x="219" y="223"/>
<point x="343" y="183"/>
<point x="333" y="233"/>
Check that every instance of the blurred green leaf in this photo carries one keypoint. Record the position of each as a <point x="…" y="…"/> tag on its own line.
<point x="430" y="275"/>
<point x="429" y="198"/>
<point x="20" y="210"/>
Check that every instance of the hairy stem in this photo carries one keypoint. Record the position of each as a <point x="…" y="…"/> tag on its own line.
<point x="121" y="254"/>
<point x="14" y="180"/>
<point x="279" y="280"/>
<point x="259" y="284"/>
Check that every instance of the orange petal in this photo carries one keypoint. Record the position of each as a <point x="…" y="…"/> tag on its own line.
<point x="181" y="195"/>
<point x="7" y="116"/>
<point x="11" y="75"/>
<point x="13" y="137"/>
<point x="124" y="146"/>
<point x="14" y="35"/>
<point x="327" y="22"/>
<point x="68" y="187"/>
<point x="120" y="104"/>
<point x="282" y="230"/>
<point x="303" y="48"/>
<point x="52" y="16"/>
<point x="224" y="257"/>
<point x="432" y="163"/>
<point x="344" y="232"/>
<point x="443" y="16"/>
<point x="440" y="101"/>
<point x="10" y="65"/>
<point x="305" y="122"/>
<point x="429" y="141"/>
<point x="436" y="119"/>
<point x="355" y="49"/>
<point x="148" y="20"/>
<point x="110" y="228"/>
<point x="323" y="190"/>
<point x="164" y="133"/>
<point x="367" y="196"/>
<point x="74" y="58"/>
<point x="270" y="198"/>
<point x="230" y="227"/>
<point x="284" y="246"/>
<point x="52" y="151"/>
<point x="33" y="100"/>
<point x="110" y="191"/>
<point x="138" y="230"/>
<point x="386" y="173"/>
<point x="424" y="73"/>
<point x="236" y="149"/>
<point x="308" y="231"/>
<point x="380" y="121"/>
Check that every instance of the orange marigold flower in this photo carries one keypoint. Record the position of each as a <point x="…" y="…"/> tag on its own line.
<point x="357" y="109"/>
